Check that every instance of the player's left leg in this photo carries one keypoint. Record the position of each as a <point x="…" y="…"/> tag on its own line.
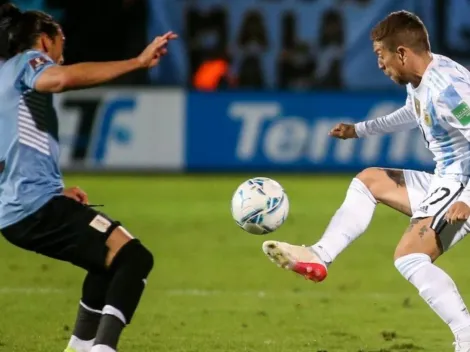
<point x="129" y="263"/>
<point x="422" y="243"/>
<point x="110" y="298"/>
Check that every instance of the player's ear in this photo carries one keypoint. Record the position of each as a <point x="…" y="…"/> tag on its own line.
<point x="45" y="42"/>
<point x="402" y="54"/>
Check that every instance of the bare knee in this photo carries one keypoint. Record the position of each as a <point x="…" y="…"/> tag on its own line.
<point x="404" y="248"/>
<point x="381" y="182"/>
<point x="373" y="178"/>
<point x="118" y="239"/>
<point x="122" y="247"/>
<point x="370" y="176"/>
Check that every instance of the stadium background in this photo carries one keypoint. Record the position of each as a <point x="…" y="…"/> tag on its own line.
<point x="251" y="88"/>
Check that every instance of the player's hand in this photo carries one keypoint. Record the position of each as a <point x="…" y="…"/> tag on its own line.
<point x="76" y="194"/>
<point x="343" y="131"/>
<point x="459" y="211"/>
<point x="155" y="50"/>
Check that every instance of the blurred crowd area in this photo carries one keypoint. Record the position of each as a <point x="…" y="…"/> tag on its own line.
<point x="252" y="44"/>
<point x="99" y="30"/>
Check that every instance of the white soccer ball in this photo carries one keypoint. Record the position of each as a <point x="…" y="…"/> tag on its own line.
<point x="260" y="205"/>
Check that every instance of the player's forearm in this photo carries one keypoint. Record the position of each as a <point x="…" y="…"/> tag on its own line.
<point x="93" y="73"/>
<point x="399" y="120"/>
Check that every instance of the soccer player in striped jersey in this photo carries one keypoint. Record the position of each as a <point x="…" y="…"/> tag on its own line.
<point x="438" y="103"/>
<point x="36" y="212"/>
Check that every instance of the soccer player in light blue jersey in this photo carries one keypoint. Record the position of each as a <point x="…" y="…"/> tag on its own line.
<point x="438" y="103"/>
<point x="36" y="212"/>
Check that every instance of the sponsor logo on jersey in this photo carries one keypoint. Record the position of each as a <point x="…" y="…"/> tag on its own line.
<point x="462" y="113"/>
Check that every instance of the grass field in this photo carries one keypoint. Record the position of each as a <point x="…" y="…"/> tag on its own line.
<point x="214" y="290"/>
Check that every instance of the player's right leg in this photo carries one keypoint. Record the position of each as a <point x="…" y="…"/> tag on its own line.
<point x="401" y="190"/>
<point x="128" y="263"/>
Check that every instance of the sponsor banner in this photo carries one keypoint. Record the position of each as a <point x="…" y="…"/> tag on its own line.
<point x="289" y="132"/>
<point x="121" y="128"/>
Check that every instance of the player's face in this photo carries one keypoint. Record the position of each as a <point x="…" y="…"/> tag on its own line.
<point x="54" y="47"/>
<point x="390" y="63"/>
<point x="56" y="51"/>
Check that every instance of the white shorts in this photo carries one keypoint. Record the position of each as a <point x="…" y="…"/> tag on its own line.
<point x="432" y="196"/>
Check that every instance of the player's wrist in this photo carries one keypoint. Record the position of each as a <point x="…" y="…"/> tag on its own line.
<point x="360" y="129"/>
<point x="136" y="63"/>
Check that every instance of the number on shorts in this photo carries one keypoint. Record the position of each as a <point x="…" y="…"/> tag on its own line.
<point x="445" y="192"/>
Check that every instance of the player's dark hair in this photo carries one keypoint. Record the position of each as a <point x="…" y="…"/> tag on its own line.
<point x="19" y="31"/>
<point x="402" y="28"/>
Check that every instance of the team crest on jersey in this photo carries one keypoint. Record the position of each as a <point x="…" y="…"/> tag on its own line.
<point x="417" y="107"/>
<point x="427" y="118"/>
<point x="37" y="62"/>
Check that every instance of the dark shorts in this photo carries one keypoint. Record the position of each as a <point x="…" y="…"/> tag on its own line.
<point x="66" y="230"/>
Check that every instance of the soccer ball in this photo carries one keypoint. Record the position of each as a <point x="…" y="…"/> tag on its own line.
<point x="260" y="205"/>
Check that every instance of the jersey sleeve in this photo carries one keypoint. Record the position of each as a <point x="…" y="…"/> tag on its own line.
<point x="400" y="120"/>
<point x="33" y="65"/>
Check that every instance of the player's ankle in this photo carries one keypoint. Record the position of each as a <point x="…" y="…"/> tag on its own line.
<point x="321" y="254"/>
<point x="109" y="331"/>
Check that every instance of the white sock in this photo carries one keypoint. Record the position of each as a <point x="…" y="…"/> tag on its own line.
<point x="349" y="222"/>
<point x="80" y="345"/>
<point x="438" y="290"/>
<point x="102" y="348"/>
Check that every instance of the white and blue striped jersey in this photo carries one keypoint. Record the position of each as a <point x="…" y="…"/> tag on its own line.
<point x="29" y="148"/>
<point x="440" y="108"/>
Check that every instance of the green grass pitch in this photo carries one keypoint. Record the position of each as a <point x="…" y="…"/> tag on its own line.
<point x="213" y="289"/>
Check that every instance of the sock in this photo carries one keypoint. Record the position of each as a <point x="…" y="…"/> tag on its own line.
<point x="109" y="331"/>
<point x="89" y="312"/>
<point x="85" y="329"/>
<point x="349" y="222"/>
<point x="438" y="290"/>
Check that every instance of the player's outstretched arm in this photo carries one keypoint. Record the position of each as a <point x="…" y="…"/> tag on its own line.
<point x="57" y="79"/>
<point x="399" y="120"/>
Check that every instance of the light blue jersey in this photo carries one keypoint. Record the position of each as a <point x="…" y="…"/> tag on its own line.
<point x="29" y="148"/>
<point x="440" y="107"/>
